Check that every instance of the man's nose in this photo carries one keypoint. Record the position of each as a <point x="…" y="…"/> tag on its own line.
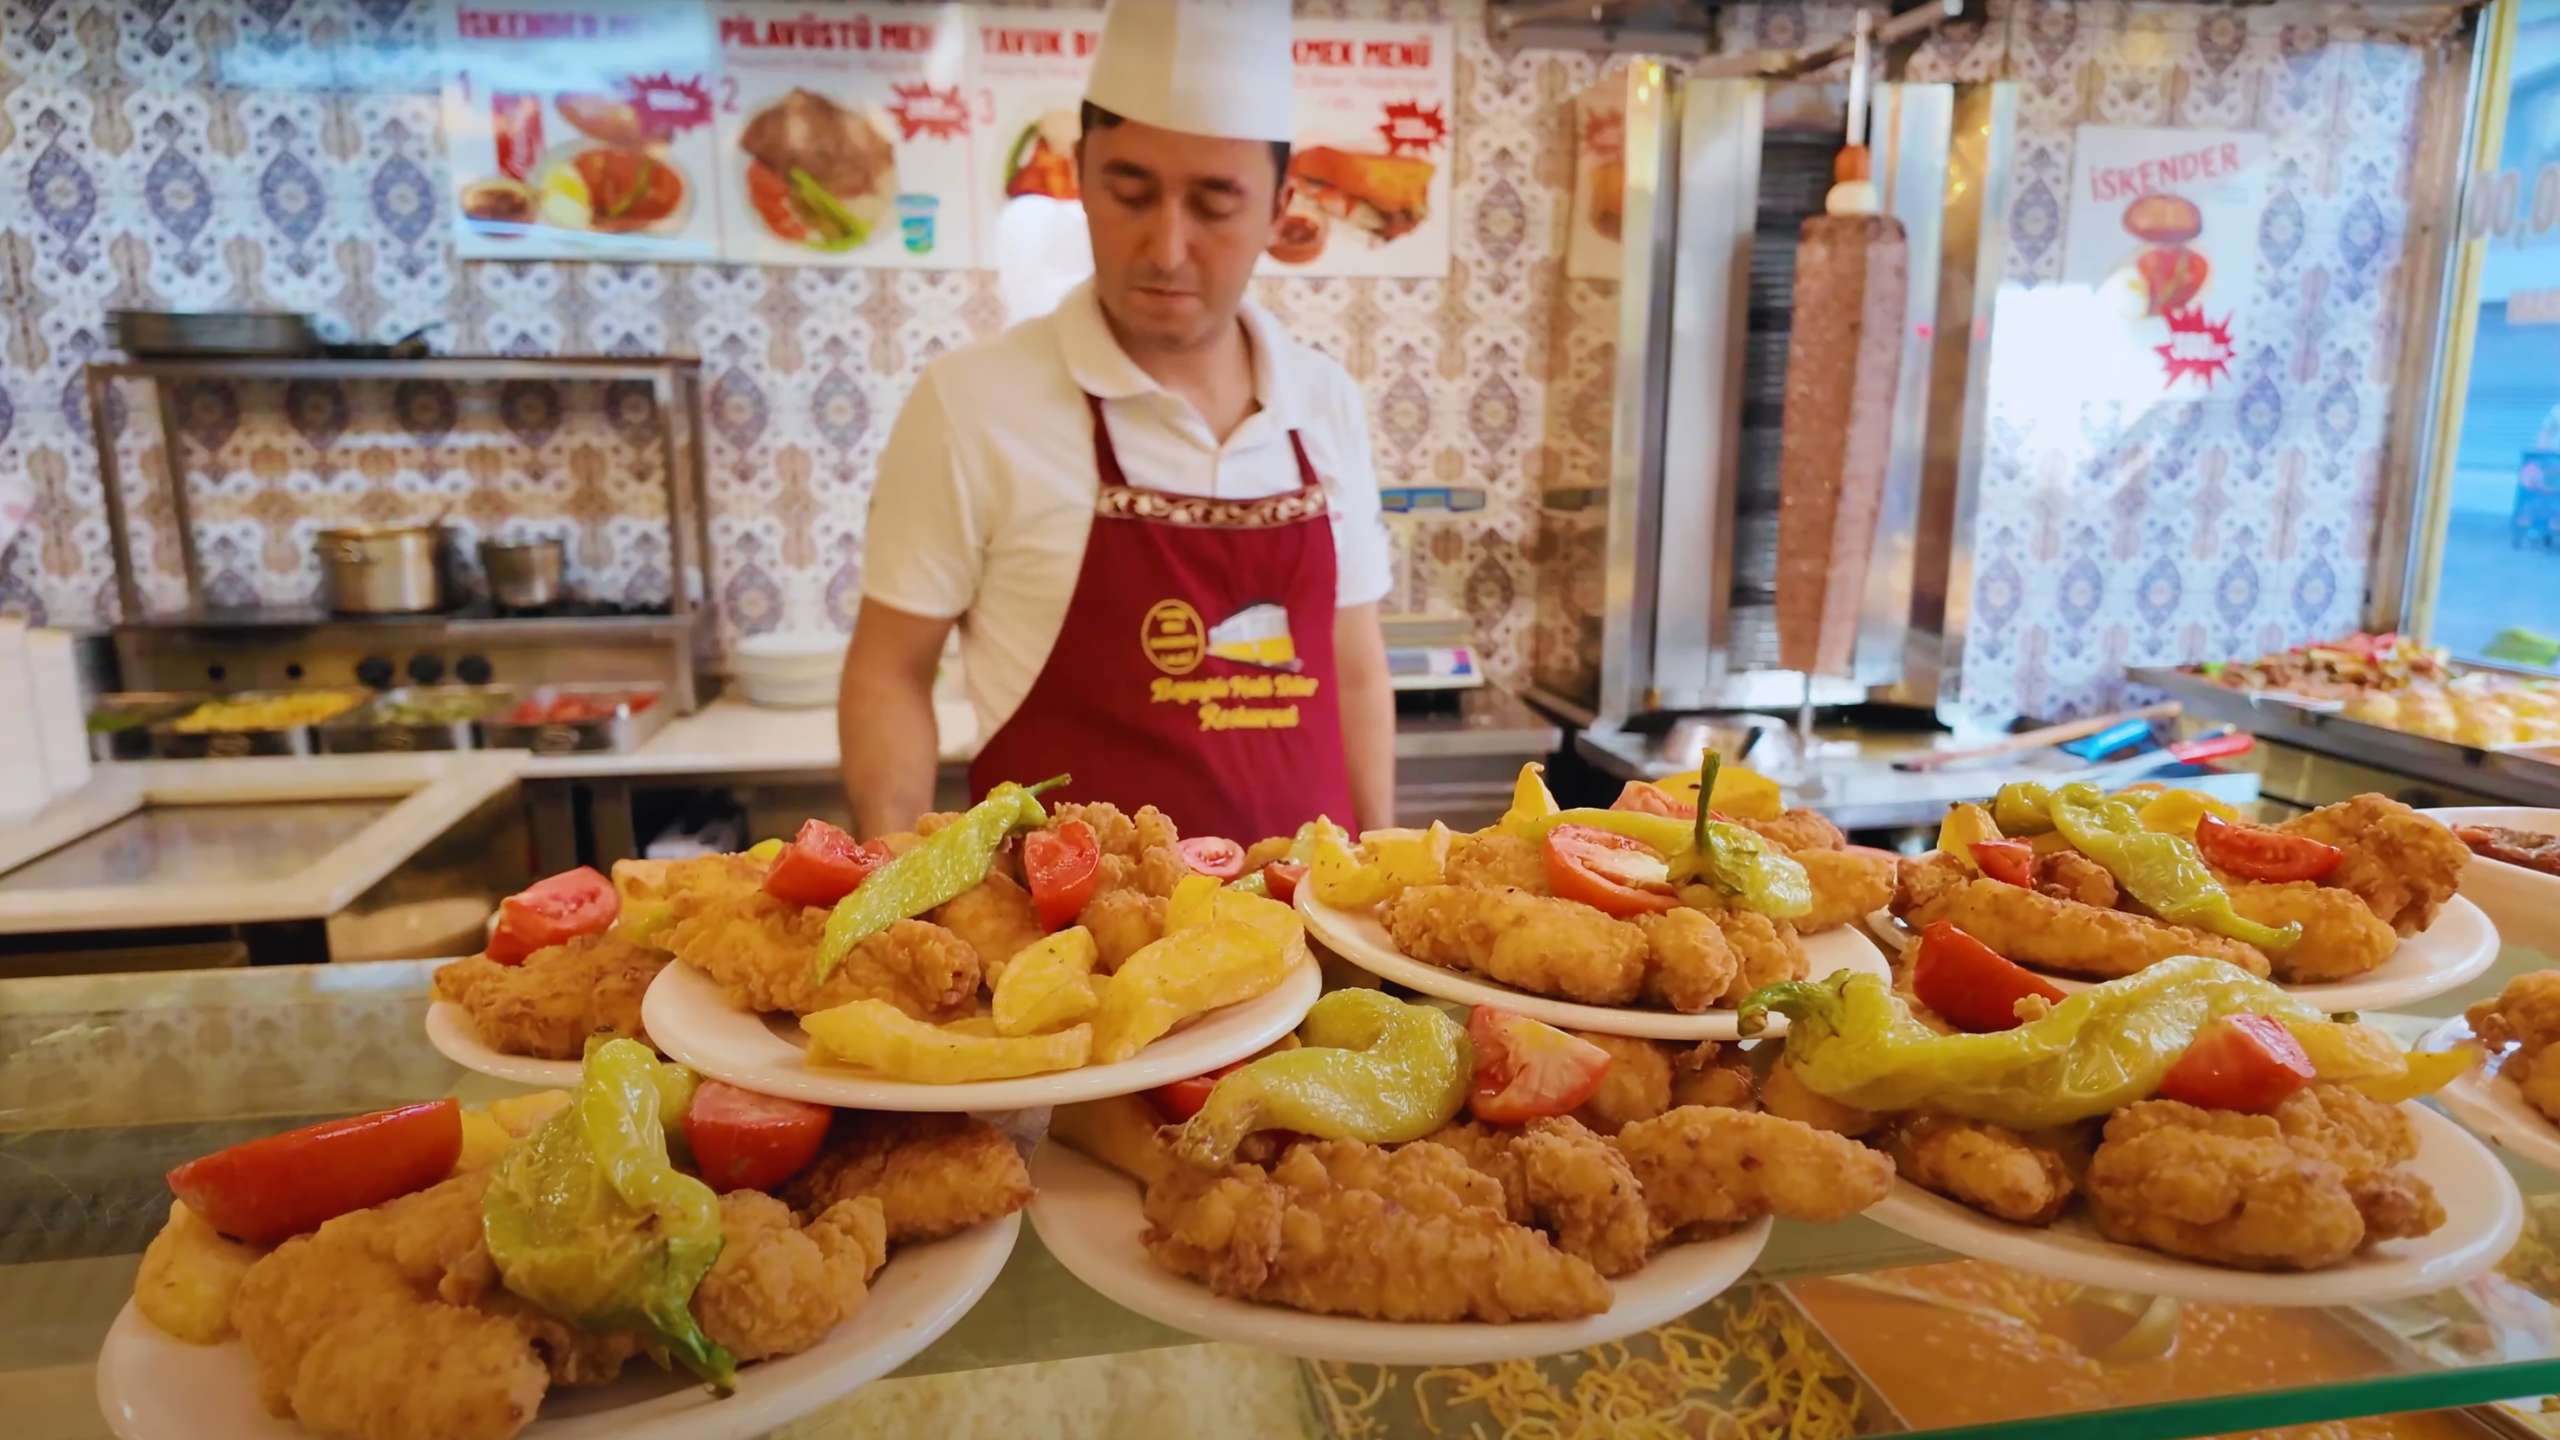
<point x="1164" y="238"/>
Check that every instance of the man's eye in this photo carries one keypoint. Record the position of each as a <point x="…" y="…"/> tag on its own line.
<point x="1215" y="207"/>
<point x="1133" y="195"/>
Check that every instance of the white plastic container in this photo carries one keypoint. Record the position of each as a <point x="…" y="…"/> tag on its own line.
<point x="23" y="787"/>
<point x="789" y="669"/>
<point x="53" y="667"/>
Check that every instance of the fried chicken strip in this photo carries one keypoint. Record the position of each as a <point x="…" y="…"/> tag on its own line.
<point x="2341" y="937"/>
<point x="1565" y="1180"/>
<point x="1708" y="1167"/>
<point x="1342" y="1228"/>
<point x="1494" y="860"/>
<point x="1848" y="886"/>
<point x="1531" y="942"/>
<point x="1688" y="966"/>
<point x="2041" y="931"/>
<point x="1991" y="1168"/>
<point x="1122" y="921"/>
<point x="2401" y="864"/>
<point x="560" y="995"/>
<point x="1787" y="1097"/>
<point x="764" y="953"/>
<point x="931" y="1175"/>
<point x="1637" y="1087"/>
<point x="779" y="1287"/>
<point x="1765" y="950"/>
<point x="1799" y="830"/>
<point x="995" y="918"/>
<point x="2526" y="1015"/>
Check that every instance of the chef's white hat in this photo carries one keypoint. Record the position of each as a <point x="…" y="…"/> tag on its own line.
<point x="1204" y="67"/>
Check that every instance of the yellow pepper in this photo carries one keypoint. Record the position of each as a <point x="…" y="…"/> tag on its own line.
<point x="1739" y="792"/>
<point x="1965" y="827"/>
<point x="1340" y="879"/>
<point x="2177" y="812"/>
<point x="1409" y="857"/>
<point x="1187" y="973"/>
<point x="878" y="1036"/>
<point x="1531" y="804"/>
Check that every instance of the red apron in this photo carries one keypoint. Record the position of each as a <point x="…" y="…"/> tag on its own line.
<point x="1194" y="670"/>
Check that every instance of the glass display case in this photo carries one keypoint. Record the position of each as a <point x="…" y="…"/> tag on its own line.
<point x="108" y="1081"/>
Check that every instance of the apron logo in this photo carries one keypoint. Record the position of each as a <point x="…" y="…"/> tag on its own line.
<point x="1173" y="637"/>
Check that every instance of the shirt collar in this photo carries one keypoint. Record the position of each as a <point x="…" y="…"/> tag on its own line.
<point x="1101" y="368"/>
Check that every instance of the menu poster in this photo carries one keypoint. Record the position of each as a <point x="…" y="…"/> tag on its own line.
<point x="844" y="136"/>
<point x="580" y="130"/>
<point x="1599" y="181"/>
<point x="1370" y="171"/>
<point x="2162" y="244"/>
<point x="1029" y="66"/>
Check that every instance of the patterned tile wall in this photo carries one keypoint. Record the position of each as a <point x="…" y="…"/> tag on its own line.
<point x="284" y="153"/>
<point x="203" y="153"/>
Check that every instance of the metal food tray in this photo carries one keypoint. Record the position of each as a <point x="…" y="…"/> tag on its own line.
<point x="133" y="742"/>
<point x="624" y="730"/>
<point x="168" y="742"/>
<point x="2524" y="775"/>
<point x="363" y="731"/>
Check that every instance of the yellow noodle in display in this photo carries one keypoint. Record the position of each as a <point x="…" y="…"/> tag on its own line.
<point x="1748" y="1367"/>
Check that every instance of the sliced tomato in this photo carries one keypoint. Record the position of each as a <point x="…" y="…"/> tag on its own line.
<point x="1281" y="878"/>
<point x="1609" y="872"/>
<point x="1182" y="1099"/>
<point x="771" y="195"/>
<point x="272" y="1189"/>
<point x="553" y="912"/>
<point x="745" y="1141"/>
<point x="1527" y="1069"/>
<point x="822" y="865"/>
<point x="1974" y="986"/>
<point x="2012" y="862"/>
<point x="1646" y="798"/>
<point x="1062" y="864"/>
<point x="1215" y="856"/>
<point x="2255" y="853"/>
<point x="2239" y="1062"/>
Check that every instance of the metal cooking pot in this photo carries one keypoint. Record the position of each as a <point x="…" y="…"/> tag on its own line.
<point x="382" y="569"/>
<point x="523" y="574"/>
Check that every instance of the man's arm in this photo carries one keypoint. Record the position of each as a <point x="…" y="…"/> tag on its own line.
<point x="1368" y="714"/>
<point x="884" y="717"/>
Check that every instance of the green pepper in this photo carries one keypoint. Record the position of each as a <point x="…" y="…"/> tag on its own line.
<point x="1372" y="1068"/>
<point x="948" y="862"/>
<point x="2165" y="872"/>
<point x="1731" y="857"/>
<point x="589" y="1221"/>
<point x="1851" y="1039"/>
<point x="838" y="228"/>
<point x="1253" y="884"/>
<point x="2022" y="808"/>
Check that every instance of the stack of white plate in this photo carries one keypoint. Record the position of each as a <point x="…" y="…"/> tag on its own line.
<point x="789" y="668"/>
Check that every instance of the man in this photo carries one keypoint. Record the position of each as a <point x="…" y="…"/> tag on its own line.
<point x="1151" y="514"/>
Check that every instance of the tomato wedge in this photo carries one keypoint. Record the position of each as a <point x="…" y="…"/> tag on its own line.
<point x="1974" y="986"/>
<point x="745" y="1141"/>
<point x="2254" y="853"/>
<point x="822" y="865"/>
<point x="1215" y="856"/>
<point x="1281" y="879"/>
<point x="1182" y="1099"/>
<point x="1609" y="872"/>
<point x="1646" y="798"/>
<point x="553" y="912"/>
<point x="1062" y="865"/>
<point x="2012" y="862"/>
<point x="1526" y="1069"/>
<point x="2239" y="1062"/>
<point x="275" y="1188"/>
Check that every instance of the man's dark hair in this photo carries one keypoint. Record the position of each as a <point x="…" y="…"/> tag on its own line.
<point x="1095" y="118"/>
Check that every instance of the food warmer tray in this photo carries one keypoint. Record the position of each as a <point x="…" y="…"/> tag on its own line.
<point x="626" y="729"/>
<point x="2524" y="774"/>
<point x="170" y="743"/>
<point x="120" y="722"/>
<point x="367" y="730"/>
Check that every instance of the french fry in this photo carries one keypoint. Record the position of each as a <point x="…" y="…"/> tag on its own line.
<point x="1341" y="879"/>
<point x="1409" y="857"/>
<point x="1187" y="973"/>
<point x="1043" y="987"/>
<point x="189" y="1274"/>
<point x="1119" y="1131"/>
<point x="1199" y="902"/>
<point x="878" y="1036"/>
<point x="483" y="1140"/>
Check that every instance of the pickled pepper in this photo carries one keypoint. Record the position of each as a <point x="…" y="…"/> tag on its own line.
<point x="2165" y="872"/>
<point x="951" y="861"/>
<point x="1372" y="1068"/>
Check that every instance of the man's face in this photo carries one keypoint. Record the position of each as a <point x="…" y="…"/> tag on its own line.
<point x="1178" y="221"/>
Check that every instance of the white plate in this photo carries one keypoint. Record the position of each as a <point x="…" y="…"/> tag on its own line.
<point x="449" y="1029"/>
<point x="1090" y="1217"/>
<point x="153" y="1386"/>
<point x="2483" y="1215"/>
<point x="2493" y="1105"/>
<point x="2523" y="904"/>
<point x="2445" y="956"/>
<point x="696" y="1024"/>
<point x="1364" y="942"/>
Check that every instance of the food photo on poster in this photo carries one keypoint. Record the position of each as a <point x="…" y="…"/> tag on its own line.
<point x="844" y="136"/>
<point x="1028" y="70"/>
<point x="580" y="131"/>
<point x="2161" y="237"/>
<point x="1369" y="182"/>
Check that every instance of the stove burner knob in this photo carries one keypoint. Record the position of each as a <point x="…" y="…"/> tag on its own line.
<point x="374" y="671"/>
<point x="472" y="670"/>
<point x="425" y="669"/>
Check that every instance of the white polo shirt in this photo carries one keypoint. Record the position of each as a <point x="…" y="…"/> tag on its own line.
<point x="986" y="487"/>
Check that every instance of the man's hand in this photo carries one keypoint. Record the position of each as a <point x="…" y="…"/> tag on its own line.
<point x="1368" y="714"/>
<point x="884" y="717"/>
